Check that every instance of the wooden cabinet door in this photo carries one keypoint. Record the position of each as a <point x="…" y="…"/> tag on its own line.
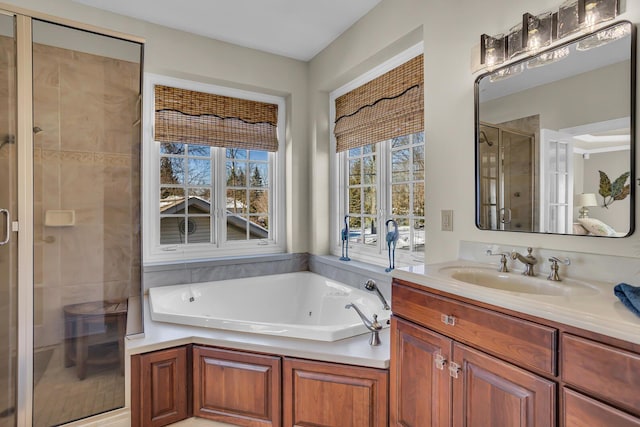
<point x="489" y="392"/>
<point x="582" y="411"/>
<point x="322" y="394"/>
<point x="420" y="389"/>
<point x="159" y="390"/>
<point x="236" y="387"/>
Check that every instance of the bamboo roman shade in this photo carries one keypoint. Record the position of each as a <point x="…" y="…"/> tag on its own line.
<point x="388" y="106"/>
<point x="192" y="117"/>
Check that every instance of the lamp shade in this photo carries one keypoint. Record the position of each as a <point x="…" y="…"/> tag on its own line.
<point x="585" y="199"/>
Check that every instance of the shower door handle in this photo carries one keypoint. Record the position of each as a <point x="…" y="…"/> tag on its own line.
<point x="7" y="228"/>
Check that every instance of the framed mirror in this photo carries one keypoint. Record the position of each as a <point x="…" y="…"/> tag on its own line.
<point x="555" y="137"/>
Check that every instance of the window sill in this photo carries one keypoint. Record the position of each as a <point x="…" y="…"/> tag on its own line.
<point x="213" y="262"/>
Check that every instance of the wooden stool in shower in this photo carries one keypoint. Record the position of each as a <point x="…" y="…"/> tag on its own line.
<point x="90" y="324"/>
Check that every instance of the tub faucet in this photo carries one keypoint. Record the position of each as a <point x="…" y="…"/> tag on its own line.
<point x="370" y="285"/>
<point x="374" y="326"/>
<point x="529" y="261"/>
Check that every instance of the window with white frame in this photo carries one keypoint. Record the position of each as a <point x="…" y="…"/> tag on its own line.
<point x="380" y="162"/>
<point x="214" y="178"/>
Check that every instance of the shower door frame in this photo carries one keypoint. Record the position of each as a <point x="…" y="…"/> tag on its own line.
<point x="25" y="217"/>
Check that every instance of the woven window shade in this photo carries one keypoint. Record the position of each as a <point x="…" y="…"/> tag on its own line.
<point x="192" y="117"/>
<point x="388" y="106"/>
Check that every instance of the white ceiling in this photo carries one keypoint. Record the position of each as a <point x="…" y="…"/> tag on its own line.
<point x="294" y="28"/>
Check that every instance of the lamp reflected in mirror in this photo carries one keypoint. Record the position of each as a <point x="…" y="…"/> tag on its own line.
<point x="585" y="201"/>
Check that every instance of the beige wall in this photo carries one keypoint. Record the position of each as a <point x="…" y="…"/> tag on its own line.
<point x="183" y="55"/>
<point x="450" y="30"/>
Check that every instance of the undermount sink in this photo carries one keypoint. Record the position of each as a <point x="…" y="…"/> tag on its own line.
<point x="515" y="282"/>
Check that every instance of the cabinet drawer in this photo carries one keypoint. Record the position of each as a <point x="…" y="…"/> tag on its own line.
<point x="582" y="411"/>
<point x="525" y="343"/>
<point x="604" y="371"/>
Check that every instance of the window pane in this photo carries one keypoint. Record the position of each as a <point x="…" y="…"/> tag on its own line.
<point x="236" y="201"/>
<point x="400" y="141"/>
<point x="171" y="170"/>
<point x="418" y="199"/>
<point x="236" y="227"/>
<point x="200" y="150"/>
<point x="198" y="229"/>
<point x="418" y="163"/>
<point x="259" y="155"/>
<point x="355" y="233"/>
<point x="258" y="201"/>
<point x="258" y="227"/>
<point x="367" y="149"/>
<point x="354" y="201"/>
<point x="355" y="152"/>
<point x="418" y="235"/>
<point x="259" y="175"/>
<point x="199" y="201"/>
<point x="171" y="148"/>
<point x="236" y="153"/>
<point x="170" y="230"/>
<point x="400" y="162"/>
<point x="370" y="232"/>
<point x="171" y="200"/>
<point x="236" y="174"/>
<point x="199" y="172"/>
<point x="354" y="171"/>
<point x="369" y="170"/>
<point x="404" y="239"/>
<point x="370" y="201"/>
<point x="400" y="199"/>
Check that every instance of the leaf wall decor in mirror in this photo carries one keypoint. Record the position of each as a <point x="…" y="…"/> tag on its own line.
<point x="546" y="125"/>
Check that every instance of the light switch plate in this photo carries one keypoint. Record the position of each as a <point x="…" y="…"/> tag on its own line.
<point x="446" y="217"/>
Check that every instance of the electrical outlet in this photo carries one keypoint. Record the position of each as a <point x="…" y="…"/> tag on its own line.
<point x="446" y="217"/>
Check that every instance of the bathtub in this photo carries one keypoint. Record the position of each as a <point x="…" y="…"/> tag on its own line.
<point x="298" y="305"/>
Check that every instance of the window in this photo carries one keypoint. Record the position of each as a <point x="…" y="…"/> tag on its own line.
<point x="209" y="193"/>
<point x="380" y="161"/>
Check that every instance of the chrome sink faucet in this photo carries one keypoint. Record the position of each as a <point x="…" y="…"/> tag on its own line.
<point x="553" y="274"/>
<point x="503" y="260"/>
<point x="374" y="326"/>
<point x="529" y="261"/>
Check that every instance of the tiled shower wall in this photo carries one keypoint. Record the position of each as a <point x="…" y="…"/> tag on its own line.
<point x="86" y="160"/>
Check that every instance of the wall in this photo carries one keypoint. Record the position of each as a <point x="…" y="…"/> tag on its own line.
<point x="179" y="54"/>
<point x="450" y="30"/>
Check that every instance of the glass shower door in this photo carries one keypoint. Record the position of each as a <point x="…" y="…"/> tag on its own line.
<point x="8" y="211"/>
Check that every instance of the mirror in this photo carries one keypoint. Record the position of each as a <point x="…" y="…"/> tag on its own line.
<point x="555" y="139"/>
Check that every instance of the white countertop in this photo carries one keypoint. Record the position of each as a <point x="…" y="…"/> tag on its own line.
<point x="352" y="351"/>
<point x="601" y="312"/>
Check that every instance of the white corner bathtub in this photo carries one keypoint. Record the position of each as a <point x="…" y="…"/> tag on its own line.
<point x="299" y="305"/>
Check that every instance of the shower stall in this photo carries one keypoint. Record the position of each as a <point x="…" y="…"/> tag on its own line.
<point x="507" y="178"/>
<point x="69" y="218"/>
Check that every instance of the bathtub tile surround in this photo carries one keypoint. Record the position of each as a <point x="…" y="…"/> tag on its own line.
<point x="222" y="269"/>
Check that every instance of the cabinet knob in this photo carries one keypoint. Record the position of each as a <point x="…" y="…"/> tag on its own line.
<point x="448" y="319"/>
<point x="440" y="361"/>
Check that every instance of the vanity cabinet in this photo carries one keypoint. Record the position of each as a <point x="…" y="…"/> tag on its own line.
<point x="160" y="387"/>
<point x="456" y="362"/>
<point x="236" y="387"/>
<point x="436" y="381"/>
<point x="322" y="394"/>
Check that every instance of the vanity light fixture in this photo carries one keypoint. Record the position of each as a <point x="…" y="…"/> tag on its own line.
<point x="492" y="50"/>
<point x="540" y="30"/>
<point x="585" y="200"/>
<point x="536" y="32"/>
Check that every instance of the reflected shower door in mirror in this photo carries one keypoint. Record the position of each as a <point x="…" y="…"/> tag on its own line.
<point x="555" y="139"/>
